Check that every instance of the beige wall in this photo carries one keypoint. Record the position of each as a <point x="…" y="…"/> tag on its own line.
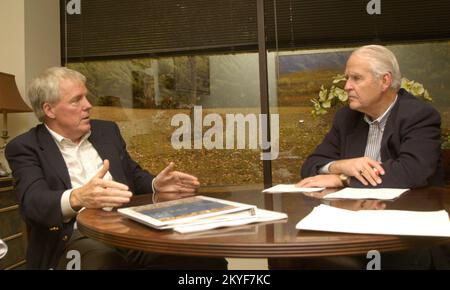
<point x="30" y="42"/>
<point x="12" y="36"/>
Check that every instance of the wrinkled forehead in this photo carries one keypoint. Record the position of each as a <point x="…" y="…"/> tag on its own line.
<point x="357" y="64"/>
<point x="65" y="81"/>
<point x="71" y="86"/>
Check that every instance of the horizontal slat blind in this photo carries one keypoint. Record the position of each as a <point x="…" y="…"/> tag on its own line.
<point x="308" y="23"/>
<point x="107" y="28"/>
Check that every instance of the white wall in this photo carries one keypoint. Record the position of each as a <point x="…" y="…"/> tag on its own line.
<point x="42" y="36"/>
<point x="12" y="35"/>
<point x="30" y="42"/>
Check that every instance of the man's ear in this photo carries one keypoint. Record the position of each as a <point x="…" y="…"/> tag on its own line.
<point x="48" y="110"/>
<point x="386" y="81"/>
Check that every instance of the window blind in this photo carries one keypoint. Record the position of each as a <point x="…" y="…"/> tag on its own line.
<point x="119" y="28"/>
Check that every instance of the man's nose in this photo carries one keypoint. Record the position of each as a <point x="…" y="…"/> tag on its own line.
<point x="86" y="104"/>
<point x="348" y="86"/>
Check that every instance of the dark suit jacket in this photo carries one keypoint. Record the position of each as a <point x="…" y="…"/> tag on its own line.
<point x="410" y="147"/>
<point x="41" y="177"/>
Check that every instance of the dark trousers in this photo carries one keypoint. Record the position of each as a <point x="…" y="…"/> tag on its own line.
<point x="95" y="255"/>
<point x="426" y="258"/>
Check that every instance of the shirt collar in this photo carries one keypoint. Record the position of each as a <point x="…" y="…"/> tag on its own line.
<point x="59" y="139"/>
<point x="382" y="119"/>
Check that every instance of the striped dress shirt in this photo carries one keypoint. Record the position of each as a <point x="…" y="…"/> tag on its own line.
<point x="375" y="135"/>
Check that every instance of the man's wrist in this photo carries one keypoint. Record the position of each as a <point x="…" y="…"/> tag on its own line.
<point x="153" y="185"/>
<point x="332" y="168"/>
<point x="73" y="200"/>
<point x="68" y="212"/>
<point x="325" y="169"/>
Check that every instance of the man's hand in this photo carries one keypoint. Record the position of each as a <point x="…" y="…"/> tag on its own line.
<point x="100" y="193"/>
<point x="169" y="180"/>
<point x="322" y="180"/>
<point x="365" y="169"/>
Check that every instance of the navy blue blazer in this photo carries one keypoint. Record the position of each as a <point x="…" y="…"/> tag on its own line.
<point x="410" y="147"/>
<point x="41" y="177"/>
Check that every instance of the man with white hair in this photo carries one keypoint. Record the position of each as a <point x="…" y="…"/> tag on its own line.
<point x="70" y="162"/>
<point x="386" y="137"/>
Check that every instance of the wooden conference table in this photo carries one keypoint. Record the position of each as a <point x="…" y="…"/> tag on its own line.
<point x="267" y="240"/>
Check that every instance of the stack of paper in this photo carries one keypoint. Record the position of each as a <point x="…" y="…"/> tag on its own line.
<point x="261" y="215"/>
<point x="198" y="213"/>
<point x="244" y="230"/>
<point x="367" y="193"/>
<point x="280" y="188"/>
<point x="385" y="222"/>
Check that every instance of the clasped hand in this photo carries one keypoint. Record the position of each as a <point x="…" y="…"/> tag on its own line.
<point x="365" y="169"/>
<point x="100" y="193"/>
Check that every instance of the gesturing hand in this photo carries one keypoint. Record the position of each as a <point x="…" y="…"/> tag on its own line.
<point x="169" y="180"/>
<point x="364" y="169"/>
<point x="100" y="193"/>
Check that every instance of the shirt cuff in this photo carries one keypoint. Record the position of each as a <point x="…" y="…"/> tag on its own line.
<point x="325" y="169"/>
<point x="154" y="191"/>
<point x="153" y="185"/>
<point x="67" y="211"/>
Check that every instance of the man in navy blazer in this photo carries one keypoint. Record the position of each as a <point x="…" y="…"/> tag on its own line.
<point x="70" y="162"/>
<point x="385" y="137"/>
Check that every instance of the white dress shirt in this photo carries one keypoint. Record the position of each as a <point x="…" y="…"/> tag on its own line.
<point x="82" y="161"/>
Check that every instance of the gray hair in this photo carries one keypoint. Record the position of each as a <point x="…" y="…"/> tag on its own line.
<point x="381" y="61"/>
<point x="45" y="88"/>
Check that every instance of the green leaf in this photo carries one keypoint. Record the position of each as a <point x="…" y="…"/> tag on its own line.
<point x="326" y="104"/>
<point x="339" y="78"/>
<point x="323" y="94"/>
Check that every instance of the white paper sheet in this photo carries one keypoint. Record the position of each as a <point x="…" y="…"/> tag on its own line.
<point x="385" y="222"/>
<point x="291" y="188"/>
<point x="367" y="193"/>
